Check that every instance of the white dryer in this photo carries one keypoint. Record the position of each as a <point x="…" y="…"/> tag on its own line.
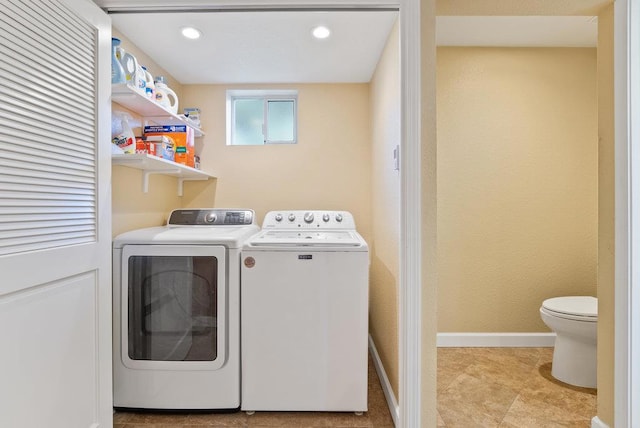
<point x="176" y="311"/>
<point x="304" y="322"/>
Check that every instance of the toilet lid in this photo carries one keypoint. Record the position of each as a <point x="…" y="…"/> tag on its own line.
<point x="582" y="306"/>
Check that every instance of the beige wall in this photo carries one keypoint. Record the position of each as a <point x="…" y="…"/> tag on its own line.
<point x="133" y="209"/>
<point x="606" y="225"/>
<point x="385" y="207"/>
<point x="329" y="168"/>
<point x="604" y="10"/>
<point x="520" y="7"/>
<point x="517" y="184"/>
<point x="428" y="212"/>
<point x="152" y="67"/>
<point x="332" y="167"/>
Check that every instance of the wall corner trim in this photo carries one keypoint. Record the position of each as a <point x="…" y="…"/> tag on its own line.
<point x="392" y="402"/>
<point x="496" y="340"/>
<point x="597" y="423"/>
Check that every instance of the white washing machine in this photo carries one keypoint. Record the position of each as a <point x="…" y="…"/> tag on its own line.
<point x="176" y="311"/>
<point x="304" y="321"/>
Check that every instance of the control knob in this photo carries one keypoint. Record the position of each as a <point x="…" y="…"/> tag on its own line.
<point x="278" y="217"/>
<point x="292" y="217"/>
<point x="338" y="218"/>
<point x="325" y="218"/>
<point x="308" y="217"/>
<point x="210" y="218"/>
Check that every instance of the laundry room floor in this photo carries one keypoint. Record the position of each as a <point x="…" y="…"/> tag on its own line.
<point x="477" y="387"/>
<point x="378" y="416"/>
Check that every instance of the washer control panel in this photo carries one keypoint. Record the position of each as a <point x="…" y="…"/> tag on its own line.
<point x="308" y="219"/>
<point x="211" y="217"/>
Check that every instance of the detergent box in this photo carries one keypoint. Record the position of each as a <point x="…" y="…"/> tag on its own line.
<point x="181" y="137"/>
<point x="160" y="146"/>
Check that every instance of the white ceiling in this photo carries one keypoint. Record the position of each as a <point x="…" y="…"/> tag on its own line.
<point x="277" y="46"/>
<point x="262" y="47"/>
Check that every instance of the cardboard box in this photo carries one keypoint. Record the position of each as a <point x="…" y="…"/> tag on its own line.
<point x="181" y="138"/>
<point x="160" y="146"/>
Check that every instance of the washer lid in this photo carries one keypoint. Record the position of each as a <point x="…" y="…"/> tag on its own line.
<point x="229" y="236"/>
<point x="584" y="306"/>
<point x="337" y="238"/>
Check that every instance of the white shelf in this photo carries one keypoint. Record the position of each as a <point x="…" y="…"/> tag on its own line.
<point x="134" y="100"/>
<point x="155" y="165"/>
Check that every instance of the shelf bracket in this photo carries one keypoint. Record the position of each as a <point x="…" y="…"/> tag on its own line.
<point x="147" y="173"/>
<point x="182" y="180"/>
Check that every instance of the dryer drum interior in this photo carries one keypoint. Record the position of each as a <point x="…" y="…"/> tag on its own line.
<point x="172" y="308"/>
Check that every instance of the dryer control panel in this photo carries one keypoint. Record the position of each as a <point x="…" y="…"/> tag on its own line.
<point x="309" y="219"/>
<point x="211" y="217"/>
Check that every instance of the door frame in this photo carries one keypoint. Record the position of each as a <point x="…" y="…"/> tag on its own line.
<point x="627" y="209"/>
<point x="627" y="286"/>
<point x="410" y="306"/>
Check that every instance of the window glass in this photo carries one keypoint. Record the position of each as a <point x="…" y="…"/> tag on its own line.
<point x="249" y="118"/>
<point x="258" y="117"/>
<point x="281" y="120"/>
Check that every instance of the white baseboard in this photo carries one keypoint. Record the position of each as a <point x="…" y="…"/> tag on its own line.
<point x="392" y="402"/>
<point x="496" y="340"/>
<point x="597" y="423"/>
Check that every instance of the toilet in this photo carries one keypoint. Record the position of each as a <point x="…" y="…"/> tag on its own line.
<point x="574" y="320"/>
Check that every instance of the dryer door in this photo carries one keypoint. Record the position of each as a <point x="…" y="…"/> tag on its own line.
<point x="173" y="308"/>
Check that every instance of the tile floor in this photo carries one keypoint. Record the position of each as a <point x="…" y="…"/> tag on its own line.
<point x="477" y="387"/>
<point x="378" y="416"/>
<point x="506" y="388"/>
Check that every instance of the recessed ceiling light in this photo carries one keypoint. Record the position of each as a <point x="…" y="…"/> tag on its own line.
<point x="191" y="33"/>
<point x="321" y="32"/>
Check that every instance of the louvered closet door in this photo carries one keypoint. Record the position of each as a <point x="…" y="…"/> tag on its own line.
<point x="55" y="214"/>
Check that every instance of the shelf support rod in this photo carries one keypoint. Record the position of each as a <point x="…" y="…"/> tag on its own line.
<point x="181" y="181"/>
<point x="146" y="174"/>
<point x="180" y="186"/>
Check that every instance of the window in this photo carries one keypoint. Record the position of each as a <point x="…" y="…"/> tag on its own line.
<point x="257" y="117"/>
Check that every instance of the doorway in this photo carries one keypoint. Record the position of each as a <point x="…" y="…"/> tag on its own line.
<point x="411" y="246"/>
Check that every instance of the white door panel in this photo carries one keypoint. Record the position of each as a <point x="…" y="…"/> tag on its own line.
<point x="55" y="215"/>
<point x="50" y="355"/>
<point x="21" y="271"/>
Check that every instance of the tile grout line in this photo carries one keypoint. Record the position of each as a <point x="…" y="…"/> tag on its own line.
<point x="533" y="370"/>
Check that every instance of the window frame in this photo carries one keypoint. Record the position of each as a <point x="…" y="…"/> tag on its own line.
<point x="266" y="95"/>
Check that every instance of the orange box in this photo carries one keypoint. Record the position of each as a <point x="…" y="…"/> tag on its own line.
<point x="191" y="147"/>
<point x="141" y="146"/>
<point x="182" y="138"/>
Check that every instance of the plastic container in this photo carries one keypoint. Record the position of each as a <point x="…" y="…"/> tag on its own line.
<point x="130" y="66"/>
<point x="140" y="82"/>
<point x="165" y="95"/>
<point x="149" y="86"/>
<point x="125" y="139"/>
<point x="117" y="72"/>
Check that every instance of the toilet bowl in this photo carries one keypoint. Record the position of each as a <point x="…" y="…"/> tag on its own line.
<point x="574" y="320"/>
